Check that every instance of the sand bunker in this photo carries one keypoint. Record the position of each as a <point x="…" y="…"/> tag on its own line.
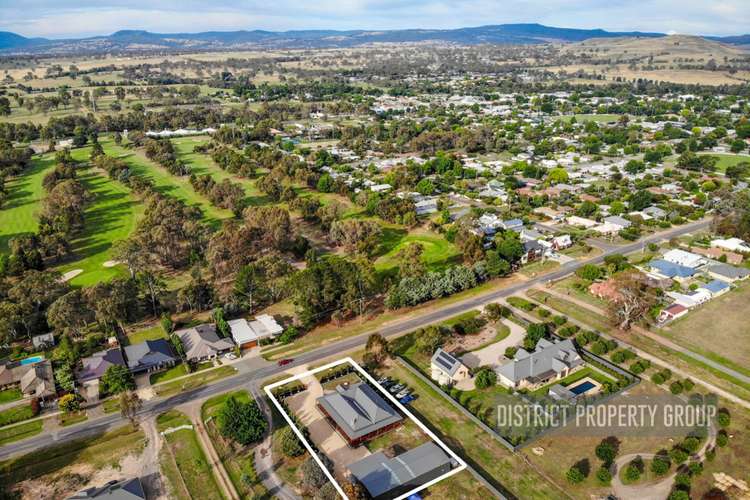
<point x="71" y="274"/>
<point x="112" y="263"/>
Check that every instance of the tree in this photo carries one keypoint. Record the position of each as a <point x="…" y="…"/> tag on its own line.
<point x="425" y="187"/>
<point x="495" y="264"/>
<point x="534" y="333"/>
<point x="485" y="378"/>
<point x="410" y="262"/>
<point x="429" y="339"/>
<point x="313" y="476"/>
<point x="635" y="299"/>
<point x="509" y="246"/>
<point x="604" y="476"/>
<point x="290" y="443"/>
<point x="70" y="313"/>
<point x="590" y="272"/>
<point x="69" y="403"/>
<point x="167" y="324"/>
<point x="242" y="422"/>
<point x="117" y="379"/>
<point x="64" y="377"/>
<point x="130" y="405"/>
<point x="558" y="175"/>
<point x="660" y="465"/>
<point x="377" y="347"/>
<point x="606" y="451"/>
<point x="356" y="236"/>
<point x="574" y="475"/>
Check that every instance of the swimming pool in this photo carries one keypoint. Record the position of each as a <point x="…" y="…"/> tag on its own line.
<point x="582" y="388"/>
<point x="33" y="359"/>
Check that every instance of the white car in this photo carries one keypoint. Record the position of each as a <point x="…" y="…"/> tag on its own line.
<point x="403" y="394"/>
<point x="230" y="356"/>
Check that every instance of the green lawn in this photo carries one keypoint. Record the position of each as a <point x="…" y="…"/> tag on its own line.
<point x="202" y="164"/>
<point x="9" y="395"/>
<point x="438" y="252"/>
<point x="184" y="462"/>
<point x="21" y="431"/>
<point x="727" y="160"/>
<point x="177" y="371"/>
<point x="111" y="216"/>
<point x="16" y="414"/>
<point x="66" y="419"/>
<point x="111" y="405"/>
<point x="153" y="333"/>
<point x="164" y="182"/>
<point x="194" y="381"/>
<point x="18" y="214"/>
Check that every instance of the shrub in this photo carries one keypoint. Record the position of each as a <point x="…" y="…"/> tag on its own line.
<point x="657" y="378"/>
<point x="660" y="465"/>
<point x="242" y="422"/>
<point x="723" y="418"/>
<point x="290" y="443"/>
<point x="691" y="444"/>
<point x="510" y="352"/>
<point x="678" y="455"/>
<point x="69" y="403"/>
<point x="486" y="378"/>
<point x="289" y="335"/>
<point x="722" y="439"/>
<point x="688" y="384"/>
<point x="574" y="475"/>
<point x="676" y="387"/>
<point x="632" y="472"/>
<point x="604" y="476"/>
<point x="559" y="320"/>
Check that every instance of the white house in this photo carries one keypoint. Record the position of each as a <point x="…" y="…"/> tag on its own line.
<point x="683" y="258"/>
<point x="446" y="369"/>
<point x="731" y="244"/>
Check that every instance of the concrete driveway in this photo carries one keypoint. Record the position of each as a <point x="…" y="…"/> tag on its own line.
<point x="494" y="354"/>
<point x="321" y="433"/>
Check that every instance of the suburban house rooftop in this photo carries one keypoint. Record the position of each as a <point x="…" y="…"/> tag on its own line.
<point x="358" y="410"/>
<point x="548" y="357"/>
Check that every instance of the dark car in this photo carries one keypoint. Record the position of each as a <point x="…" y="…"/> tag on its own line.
<point x="283" y="362"/>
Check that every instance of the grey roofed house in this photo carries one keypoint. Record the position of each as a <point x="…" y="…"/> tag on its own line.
<point x="549" y="359"/>
<point x="655" y="212"/>
<point x="39" y="380"/>
<point x="388" y="477"/>
<point x="95" y="365"/>
<point x="202" y="342"/>
<point x="127" y="489"/>
<point x="446" y="362"/>
<point x="149" y="355"/>
<point x="358" y="410"/>
<point x="728" y="272"/>
<point x="559" y="392"/>
<point x="617" y="220"/>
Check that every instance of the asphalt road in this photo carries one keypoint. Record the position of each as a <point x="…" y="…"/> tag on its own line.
<point x="267" y="370"/>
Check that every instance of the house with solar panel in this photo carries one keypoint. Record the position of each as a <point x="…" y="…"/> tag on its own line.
<point x="446" y="369"/>
<point x="358" y="413"/>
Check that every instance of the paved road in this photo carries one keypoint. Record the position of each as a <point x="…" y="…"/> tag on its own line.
<point x="263" y="370"/>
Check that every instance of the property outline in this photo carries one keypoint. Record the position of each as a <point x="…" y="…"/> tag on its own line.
<point x="268" y="389"/>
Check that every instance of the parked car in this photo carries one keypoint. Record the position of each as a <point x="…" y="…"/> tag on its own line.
<point x="403" y="394"/>
<point x="396" y="388"/>
<point x="407" y="399"/>
<point x="230" y="356"/>
<point x="384" y="380"/>
<point x="283" y="362"/>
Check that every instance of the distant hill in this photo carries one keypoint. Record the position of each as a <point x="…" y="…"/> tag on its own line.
<point x="135" y="40"/>
<point x="668" y="49"/>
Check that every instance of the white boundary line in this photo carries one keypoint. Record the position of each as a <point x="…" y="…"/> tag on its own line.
<point x="389" y="396"/>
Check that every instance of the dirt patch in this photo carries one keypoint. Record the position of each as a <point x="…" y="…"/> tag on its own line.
<point x="470" y="342"/>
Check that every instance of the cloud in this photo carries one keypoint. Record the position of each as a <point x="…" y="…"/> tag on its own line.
<point x="60" y="18"/>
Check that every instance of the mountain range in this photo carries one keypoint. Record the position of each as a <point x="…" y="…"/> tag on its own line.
<point x="138" y="40"/>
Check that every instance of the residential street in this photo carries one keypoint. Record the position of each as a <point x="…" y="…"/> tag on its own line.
<point x="255" y="369"/>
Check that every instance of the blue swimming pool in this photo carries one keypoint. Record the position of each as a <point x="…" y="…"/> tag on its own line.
<point x="582" y="388"/>
<point x="33" y="359"/>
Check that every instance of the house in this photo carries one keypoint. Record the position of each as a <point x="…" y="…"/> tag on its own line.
<point x="561" y="242"/>
<point x="358" y="413"/>
<point x="666" y="269"/>
<point x="94" y="366"/>
<point x="532" y="250"/>
<point x="683" y="258"/>
<point x="728" y="273"/>
<point x="150" y="356"/>
<point x="426" y="206"/>
<point x="690" y="300"/>
<point x="716" y="288"/>
<point x="672" y="312"/>
<point x="618" y="221"/>
<point x="731" y="244"/>
<point x="655" y="212"/>
<point x="548" y="362"/>
<point x="126" y="489"/>
<point x="446" y="369"/>
<point x="249" y="334"/>
<point x="202" y="342"/>
<point x="385" y="477"/>
<point x="716" y="254"/>
<point x="34" y="379"/>
<point x="576" y="221"/>
<point x="512" y="225"/>
<point x="608" y="228"/>
<point x="43" y="341"/>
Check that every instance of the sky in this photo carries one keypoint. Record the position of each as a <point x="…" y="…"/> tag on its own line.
<point x="79" y="18"/>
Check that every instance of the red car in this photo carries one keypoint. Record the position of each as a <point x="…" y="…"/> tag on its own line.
<point x="283" y="362"/>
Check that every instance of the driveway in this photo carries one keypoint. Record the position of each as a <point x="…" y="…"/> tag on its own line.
<point x="494" y="354"/>
<point x="321" y="433"/>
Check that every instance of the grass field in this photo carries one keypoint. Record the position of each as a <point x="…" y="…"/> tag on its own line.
<point x="153" y="333"/>
<point x="164" y="182"/>
<point x="194" y="381"/>
<point x="10" y="395"/>
<point x="727" y="160"/>
<point x="183" y="460"/>
<point x="438" y="252"/>
<point x="18" y="214"/>
<point x="93" y="453"/>
<point x="21" y="431"/>
<point x="729" y="335"/>
<point x="112" y="215"/>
